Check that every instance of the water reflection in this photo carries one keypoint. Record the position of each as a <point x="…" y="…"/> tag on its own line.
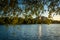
<point x="30" y="32"/>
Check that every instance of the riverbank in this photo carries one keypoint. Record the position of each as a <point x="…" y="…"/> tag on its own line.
<point x="16" y="20"/>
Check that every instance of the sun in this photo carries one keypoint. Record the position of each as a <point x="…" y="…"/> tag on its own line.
<point x="56" y="17"/>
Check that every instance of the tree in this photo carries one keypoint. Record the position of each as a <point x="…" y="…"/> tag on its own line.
<point x="13" y="3"/>
<point x="53" y="6"/>
<point x="35" y="6"/>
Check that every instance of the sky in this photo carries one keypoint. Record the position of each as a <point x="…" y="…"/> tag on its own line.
<point x="22" y="6"/>
<point x="56" y="17"/>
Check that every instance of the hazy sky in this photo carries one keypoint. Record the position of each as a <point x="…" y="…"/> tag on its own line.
<point x="22" y="6"/>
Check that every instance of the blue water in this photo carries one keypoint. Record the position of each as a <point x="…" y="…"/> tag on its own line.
<point x="30" y="32"/>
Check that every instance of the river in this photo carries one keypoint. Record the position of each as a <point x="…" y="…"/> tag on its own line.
<point x="30" y="32"/>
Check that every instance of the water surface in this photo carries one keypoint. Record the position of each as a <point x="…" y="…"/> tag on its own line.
<point x="30" y="32"/>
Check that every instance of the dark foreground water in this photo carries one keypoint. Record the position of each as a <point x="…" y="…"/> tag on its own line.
<point x="30" y="32"/>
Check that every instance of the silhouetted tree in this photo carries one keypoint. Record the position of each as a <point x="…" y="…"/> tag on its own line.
<point x="35" y="6"/>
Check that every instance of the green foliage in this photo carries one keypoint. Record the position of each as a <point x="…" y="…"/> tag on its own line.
<point x="2" y="20"/>
<point x="15" y="20"/>
<point x="36" y="7"/>
<point x="20" y="20"/>
<point x="48" y="21"/>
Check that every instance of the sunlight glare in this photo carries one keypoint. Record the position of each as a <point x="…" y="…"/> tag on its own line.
<point x="56" y="17"/>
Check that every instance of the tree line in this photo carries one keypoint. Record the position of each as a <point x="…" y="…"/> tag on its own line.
<point x="16" y="20"/>
<point x="32" y="7"/>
